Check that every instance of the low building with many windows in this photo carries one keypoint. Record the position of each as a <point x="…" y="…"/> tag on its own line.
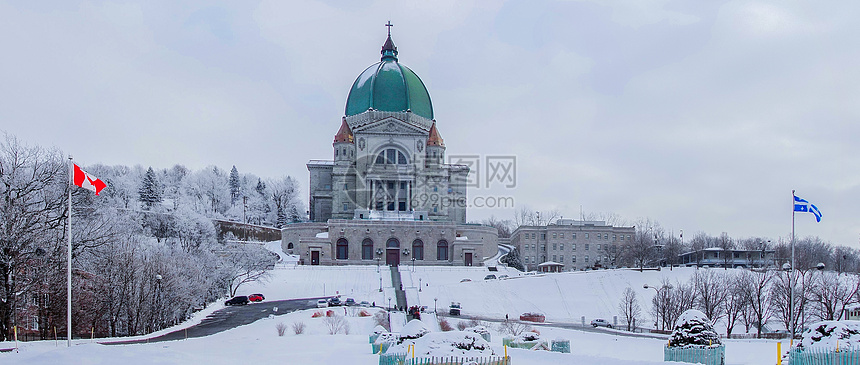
<point x="576" y="245"/>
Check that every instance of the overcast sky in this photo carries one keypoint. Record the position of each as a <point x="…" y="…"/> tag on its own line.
<point x="702" y="115"/>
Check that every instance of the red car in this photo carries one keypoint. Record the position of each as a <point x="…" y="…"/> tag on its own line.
<point x="256" y="297"/>
<point x="532" y="317"/>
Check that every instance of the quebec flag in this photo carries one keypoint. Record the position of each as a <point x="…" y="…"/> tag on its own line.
<point x="801" y="205"/>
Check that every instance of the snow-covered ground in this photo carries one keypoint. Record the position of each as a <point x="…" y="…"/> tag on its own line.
<point x="561" y="297"/>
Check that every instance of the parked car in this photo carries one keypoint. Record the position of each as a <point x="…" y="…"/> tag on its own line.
<point x="454" y="309"/>
<point x="364" y="303"/>
<point x="533" y="317"/>
<point x="465" y="280"/>
<point x="599" y="322"/>
<point x="239" y="300"/>
<point x="503" y="277"/>
<point x="490" y="277"/>
<point x="334" y="302"/>
<point x="349" y="302"/>
<point x="256" y="297"/>
<point x="322" y="303"/>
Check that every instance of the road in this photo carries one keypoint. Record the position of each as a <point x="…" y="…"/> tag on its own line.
<point x="231" y="317"/>
<point x="572" y="326"/>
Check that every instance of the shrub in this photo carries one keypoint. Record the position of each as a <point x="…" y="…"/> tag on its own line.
<point x="318" y="314"/>
<point x="381" y="319"/>
<point x="329" y="313"/>
<point x="299" y="327"/>
<point x="282" y="328"/>
<point x="444" y="325"/>
<point x="461" y="325"/>
<point x="514" y="328"/>
<point x="364" y="313"/>
<point x="693" y="329"/>
<point x="337" y="324"/>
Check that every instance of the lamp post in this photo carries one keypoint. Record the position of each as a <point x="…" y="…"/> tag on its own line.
<point x="158" y="278"/>
<point x="377" y="264"/>
<point x="419" y="284"/>
<point x="389" y="304"/>
<point x="658" y="290"/>
<point x="434" y="305"/>
<point x="413" y="264"/>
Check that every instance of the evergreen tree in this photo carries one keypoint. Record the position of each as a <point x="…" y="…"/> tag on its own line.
<point x="261" y="187"/>
<point x="512" y="259"/>
<point x="150" y="192"/>
<point x="234" y="185"/>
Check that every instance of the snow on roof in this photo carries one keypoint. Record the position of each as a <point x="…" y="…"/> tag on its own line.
<point x="322" y="235"/>
<point x="461" y="238"/>
<point x="550" y="263"/>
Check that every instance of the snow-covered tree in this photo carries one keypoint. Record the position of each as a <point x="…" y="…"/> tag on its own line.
<point x="150" y="190"/>
<point x="235" y="186"/>
<point x="693" y="329"/>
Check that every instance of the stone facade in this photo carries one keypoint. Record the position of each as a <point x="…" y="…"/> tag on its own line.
<point x="366" y="242"/>
<point x="387" y="195"/>
<point x="575" y="244"/>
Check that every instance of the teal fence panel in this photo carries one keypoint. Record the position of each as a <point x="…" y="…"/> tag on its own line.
<point x="392" y="359"/>
<point x="380" y="348"/>
<point x="373" y="337"/>
<point x="707" y="356"/>
<point x="490" y="360"/>
<point x="561" y="346"/>
<point x="823" y="356"/>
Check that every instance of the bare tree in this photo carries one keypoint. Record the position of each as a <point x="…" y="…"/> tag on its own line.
<point x="727" y="245"/>
<point x="503" y="226"/>
<point x="245" y="263"/>
<point x="629" y="308"/>
<point x="755" y="287"/>
<point x="33" y="187"/>
<point x="735" y="302"/>
<point x="525" y="216"/>
<point x="711" y="290"/>
<point x="832" y="293"/>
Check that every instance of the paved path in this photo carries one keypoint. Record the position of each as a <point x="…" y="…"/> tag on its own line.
<point x="572" y="326"/>
<point x="231" y="317"/>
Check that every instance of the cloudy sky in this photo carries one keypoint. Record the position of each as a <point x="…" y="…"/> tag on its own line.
<point x="702" y="115"/>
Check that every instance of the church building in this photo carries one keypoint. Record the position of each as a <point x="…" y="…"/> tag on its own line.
<point x="387" y="195"/>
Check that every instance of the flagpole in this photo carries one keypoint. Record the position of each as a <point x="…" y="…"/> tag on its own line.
<point x="69" y="263"/>
<point x="790" y="287"/>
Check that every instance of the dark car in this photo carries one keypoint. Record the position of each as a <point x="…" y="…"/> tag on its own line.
<point x="350" y="301"/>
<point x="256" y="297"/>
<point x="333" y="302"/>
<point x="240" y="300"/>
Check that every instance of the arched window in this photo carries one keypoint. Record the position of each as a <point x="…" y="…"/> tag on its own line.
<point x="391" y="156"/>
<point x="442" y="250"/>
<point x="367" y="249"/>
<point x="392" y="243"/>
<point x="290" y="246"/>
<point x="418" y="250"/>
<point x="342" y="249"/>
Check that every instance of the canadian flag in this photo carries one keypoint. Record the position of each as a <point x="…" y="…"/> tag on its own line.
<point x="87" y="181"/>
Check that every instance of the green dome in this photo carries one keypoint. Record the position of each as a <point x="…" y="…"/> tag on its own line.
<point x="389" y="86"/>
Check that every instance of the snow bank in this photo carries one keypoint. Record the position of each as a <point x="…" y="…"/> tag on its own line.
<point x="412" y="330"/>
<point x="825" y="334"/>
<point x="441" y="344"/>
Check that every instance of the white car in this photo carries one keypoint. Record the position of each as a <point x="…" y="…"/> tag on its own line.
<point x="322" y="303"/>
<point x="600" y="322"/>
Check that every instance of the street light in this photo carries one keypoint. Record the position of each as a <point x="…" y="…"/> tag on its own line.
<point x="419" y="284"/>
<point x="658" y="290"/>
<point x="389" y="304"/>
<point x="377" y="265"/>
<point x="434" y="305"/>
<point x="413" y="264"/>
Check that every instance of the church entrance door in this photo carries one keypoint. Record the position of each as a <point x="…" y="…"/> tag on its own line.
<point x="392" y="256"/>
<point x="468" y="258"/>
<point x="315" y="257"/>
